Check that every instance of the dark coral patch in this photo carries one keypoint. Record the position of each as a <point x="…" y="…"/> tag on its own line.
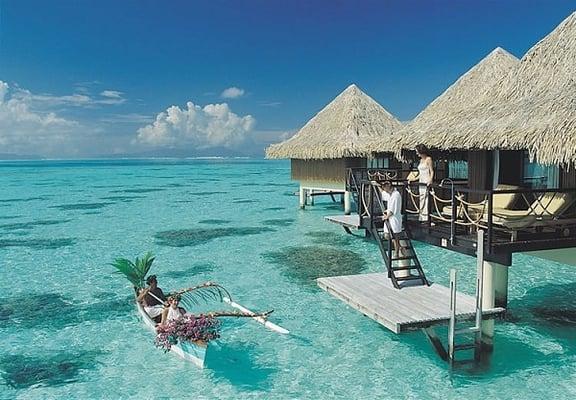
<point x="52" y="310"/>
<point x="10" y="216"/>
<point x="37" y="244"/>
<point x="20" y="372"/>
<point x="278" y="222"/>
<point x="30" y="225"/>
<point x="125" y="199"/>
<point x="195" y="237"/>
<point x="311" y="262"/>
<point x="82" y="206"/>
<point x="214" y="221"/>
<point x="205" y="193"/>
<point x="143" y="190"/>
<point x="196" y="269"/>
<point x="329" y="238"/>
<point x="24" y="200"/>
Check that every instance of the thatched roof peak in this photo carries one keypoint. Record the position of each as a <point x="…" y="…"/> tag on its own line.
<point x="347" y="127"/>
<point x="533" y="107"/>
<point x="428" y="126"/>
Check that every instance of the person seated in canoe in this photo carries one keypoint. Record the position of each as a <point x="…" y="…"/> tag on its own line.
<point x="152" y="298"/>
<point x="172" y="310"/>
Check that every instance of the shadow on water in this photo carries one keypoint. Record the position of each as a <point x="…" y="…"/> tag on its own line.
<point x="196" y="269"/>
<point x="550" y="310"/>
<point x="37" y="244"/>
<point x="52" y="310"/>
<point x="274" y="208"/>
<point x="307" y="263"/>
<point x="236" y="364"/>
<point x="21" y="372"/>
<point x="195" y="237"/>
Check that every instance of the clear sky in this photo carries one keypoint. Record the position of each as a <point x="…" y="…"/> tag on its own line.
<point x="101" y="77"/>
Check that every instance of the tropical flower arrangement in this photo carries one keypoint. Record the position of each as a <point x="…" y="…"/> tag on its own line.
<point x="192" y="328"/>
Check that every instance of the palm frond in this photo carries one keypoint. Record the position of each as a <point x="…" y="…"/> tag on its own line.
<point x="135" y="271"/>
<point x="206" y="293"/>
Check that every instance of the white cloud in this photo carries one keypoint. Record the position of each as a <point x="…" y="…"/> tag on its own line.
<point x="213" y="125"/>
<point x="82" y="99"/>
<point x="111" y="97"/>
<point x="115" y="94"/>
<point x="24" y="130"/>
<point x="232" y="93"/>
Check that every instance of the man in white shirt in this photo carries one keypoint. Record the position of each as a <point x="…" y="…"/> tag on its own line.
<point x="393" y="211"/>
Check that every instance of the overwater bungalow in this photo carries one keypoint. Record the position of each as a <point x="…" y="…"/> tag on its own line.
<point x="512" y="125"/>
<point x="519" y="135"/>
<point x="341" y="136"/>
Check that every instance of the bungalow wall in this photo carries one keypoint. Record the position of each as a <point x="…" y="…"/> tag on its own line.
<point x="324" y="174"/>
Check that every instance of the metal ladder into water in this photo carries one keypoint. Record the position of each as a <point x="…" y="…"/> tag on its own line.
<point x="475" y="329"/>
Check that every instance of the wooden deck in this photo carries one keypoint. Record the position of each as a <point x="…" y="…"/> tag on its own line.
<point x="348" y="221"/>
<point x="400" y="310"/>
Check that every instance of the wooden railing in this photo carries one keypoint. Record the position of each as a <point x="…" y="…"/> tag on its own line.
<point x="519" y="219"/>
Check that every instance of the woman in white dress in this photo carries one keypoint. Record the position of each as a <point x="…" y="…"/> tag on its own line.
<point x="172" y="311"/>
<point x="425" y="178"/>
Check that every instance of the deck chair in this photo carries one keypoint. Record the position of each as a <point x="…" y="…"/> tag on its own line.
<point x="499" y="201"/>
<point x="547" y="207"/>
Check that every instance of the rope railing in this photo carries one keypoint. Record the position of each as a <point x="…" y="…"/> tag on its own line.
<point x="418" y="208"/>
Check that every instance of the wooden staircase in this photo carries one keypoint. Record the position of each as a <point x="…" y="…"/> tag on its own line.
<point x="396" y="260"/>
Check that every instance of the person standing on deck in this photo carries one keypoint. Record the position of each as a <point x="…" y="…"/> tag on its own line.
<point x="425" y="178"/>
<point x="393" y="212"/>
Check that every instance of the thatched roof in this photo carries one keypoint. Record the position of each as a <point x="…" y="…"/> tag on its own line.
<point x="428" y="126"/>
<point x="347" y="127"/>
<point x="533" y="108"/>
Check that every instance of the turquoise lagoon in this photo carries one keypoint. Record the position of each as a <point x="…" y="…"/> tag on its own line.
<point x="69" y="329"/>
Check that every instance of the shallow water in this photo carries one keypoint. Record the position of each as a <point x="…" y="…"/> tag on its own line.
<point x="70" y="331"/>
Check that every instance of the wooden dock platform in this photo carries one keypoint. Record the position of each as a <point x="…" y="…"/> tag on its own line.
<point x="400" y="310"/>
<point x="347" y="221"/>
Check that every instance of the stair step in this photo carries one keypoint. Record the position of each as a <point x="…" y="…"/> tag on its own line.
<point x="409" y="278"/>
<point x="403" y="258"/>
<point x="404" y="268"/>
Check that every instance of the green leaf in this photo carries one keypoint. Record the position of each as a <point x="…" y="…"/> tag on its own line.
<point x="135" y="271"/>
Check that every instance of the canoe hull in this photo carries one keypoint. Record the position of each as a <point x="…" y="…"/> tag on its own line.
<point x="188" y="351"/>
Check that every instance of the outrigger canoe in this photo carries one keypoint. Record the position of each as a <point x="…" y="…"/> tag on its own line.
<point x="195" y="352"/>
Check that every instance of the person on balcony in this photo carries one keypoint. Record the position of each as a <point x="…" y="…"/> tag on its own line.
<point x="425" y="178"/>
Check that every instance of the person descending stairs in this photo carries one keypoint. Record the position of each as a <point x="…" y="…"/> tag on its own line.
<point x="394" y="243"/>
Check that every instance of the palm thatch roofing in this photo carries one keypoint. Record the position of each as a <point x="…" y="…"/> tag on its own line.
<point x="347" y="127"/>
<point x="533" y="107"/>
<point x="429" y="126"/>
